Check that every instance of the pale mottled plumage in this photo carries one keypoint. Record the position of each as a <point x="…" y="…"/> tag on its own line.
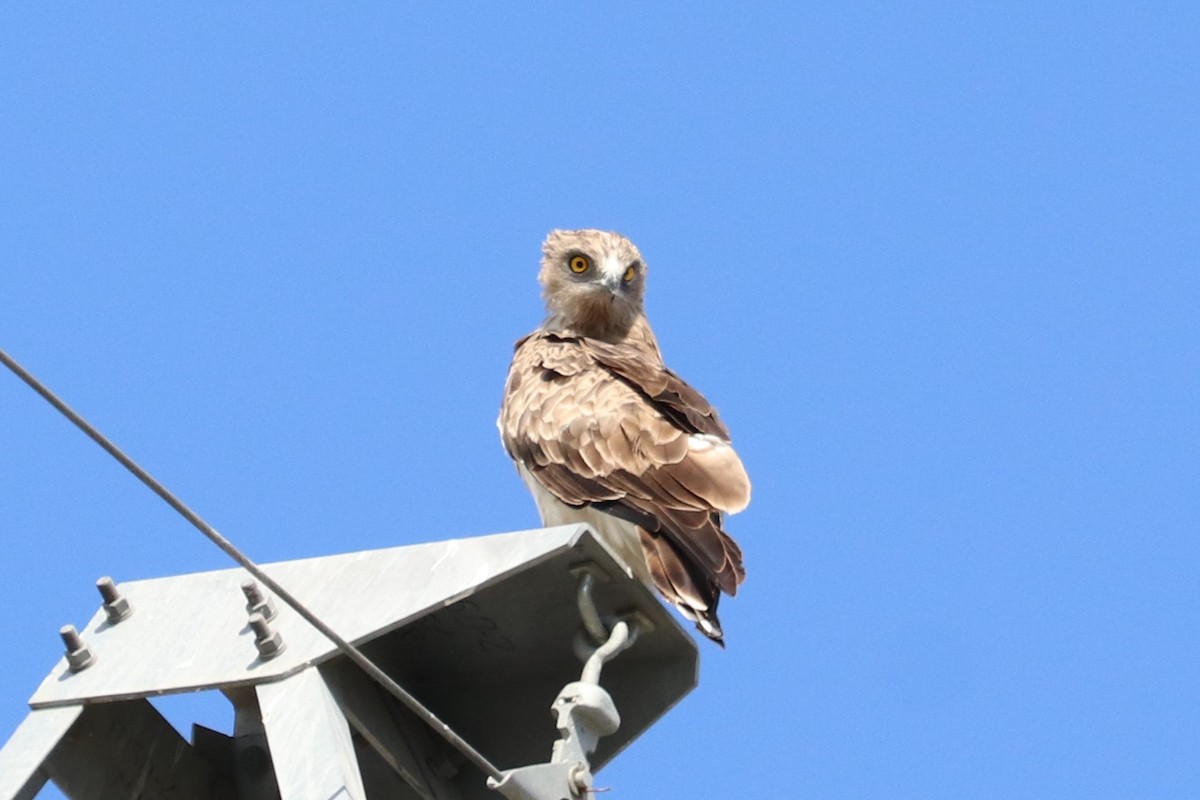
<point x="602" y="432"/>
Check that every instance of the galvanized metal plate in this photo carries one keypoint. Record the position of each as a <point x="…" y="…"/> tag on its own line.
<point x="310" y="740"/>
<point x="491" y="664"/>
<point x="480" y="630"/>
<point x="190" y="632"/>
<point x="129" y="750"/>
<point x="21" y="777"/>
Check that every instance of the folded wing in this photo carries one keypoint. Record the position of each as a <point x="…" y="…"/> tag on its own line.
<point x="608" y="425"/>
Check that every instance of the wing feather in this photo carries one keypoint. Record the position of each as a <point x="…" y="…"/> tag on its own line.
<point x="608" y="424"/>
<point x="676" y="399"/>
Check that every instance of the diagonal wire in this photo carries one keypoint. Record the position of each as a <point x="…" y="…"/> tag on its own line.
<point x="353" y="653"/>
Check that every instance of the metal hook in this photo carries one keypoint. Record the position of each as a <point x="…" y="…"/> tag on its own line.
<point x="604" y="644"/>
<point x="587" y="608"/>
<point x="618" y="641"/>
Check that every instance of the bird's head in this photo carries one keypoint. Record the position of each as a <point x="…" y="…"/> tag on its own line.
<point x="593" y="282"/>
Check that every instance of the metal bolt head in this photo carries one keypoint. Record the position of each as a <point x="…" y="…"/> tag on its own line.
<point x="256" y="601"/>
<point x="79" y="656"/>
<point x="268" y="641"/>
<point x="116" y="606"/>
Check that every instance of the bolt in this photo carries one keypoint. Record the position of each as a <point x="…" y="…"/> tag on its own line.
<point x="256" y="601"/>
<point x="268" y="642"/>
<point x="116" y="606"/>
<point x="79" y="657"/>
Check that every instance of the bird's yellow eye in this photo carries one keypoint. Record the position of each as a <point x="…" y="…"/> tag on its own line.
<point x="630" y="273"/>
<point x="579" y="264"/>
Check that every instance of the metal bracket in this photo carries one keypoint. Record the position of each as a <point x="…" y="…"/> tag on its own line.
<point x="585" y="713"/>
<point x="483" y="628"/>
<point x="541" y="782"/>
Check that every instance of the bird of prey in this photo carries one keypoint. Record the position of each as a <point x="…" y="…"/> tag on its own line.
<point x="602" y="432"/>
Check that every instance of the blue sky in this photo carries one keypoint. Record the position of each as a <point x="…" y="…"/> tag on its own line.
<point x="935" y="263"/>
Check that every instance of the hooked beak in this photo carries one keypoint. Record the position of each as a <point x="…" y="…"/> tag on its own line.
<point x="607" y="285"/>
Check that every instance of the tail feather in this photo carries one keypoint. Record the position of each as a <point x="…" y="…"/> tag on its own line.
<point x="677" y="581"/>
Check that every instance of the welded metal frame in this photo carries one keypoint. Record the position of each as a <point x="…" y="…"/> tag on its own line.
<point x="482" y="630"/>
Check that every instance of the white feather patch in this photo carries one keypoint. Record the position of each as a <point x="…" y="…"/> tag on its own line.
<point x="705" y="441"/>
<point x="730" y="490"/>
<point x="619" y="536"/>
<point x="611" y="267"/>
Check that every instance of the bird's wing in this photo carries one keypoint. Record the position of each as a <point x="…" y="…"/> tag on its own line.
<point x="608" y="425"/>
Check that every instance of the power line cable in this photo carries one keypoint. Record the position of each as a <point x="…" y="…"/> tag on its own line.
<point x="353" y="653"/>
